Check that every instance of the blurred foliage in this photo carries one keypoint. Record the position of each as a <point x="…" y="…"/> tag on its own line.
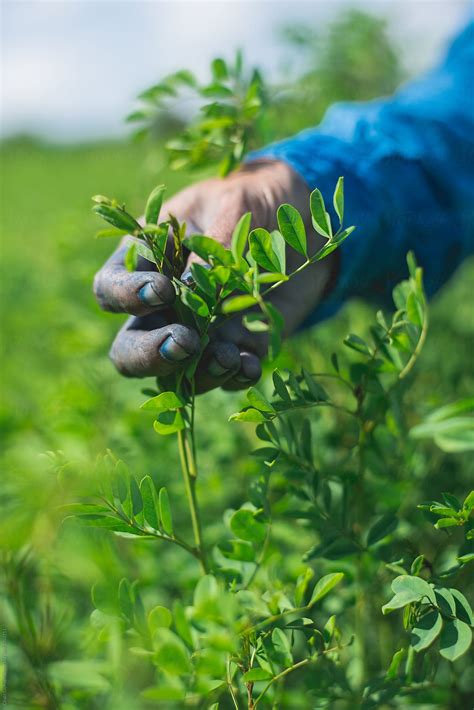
<point x="60" y="395"/>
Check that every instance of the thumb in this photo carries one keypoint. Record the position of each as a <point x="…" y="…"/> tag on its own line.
<point x="219" y="228"/>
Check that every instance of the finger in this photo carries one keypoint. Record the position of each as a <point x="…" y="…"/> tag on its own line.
<point x="248" y="374"/>
<point x="137" y="292"/>
<point x="137" y="352"/>
<point x="220" y="361"/>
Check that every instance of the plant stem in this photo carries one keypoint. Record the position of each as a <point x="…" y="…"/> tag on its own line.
<point x="150" y="533"/>
<point x="229" y="684"/>
<point x="292" y="668"/>
<point x="419" y="346"/>
<point x="188" y="467"/>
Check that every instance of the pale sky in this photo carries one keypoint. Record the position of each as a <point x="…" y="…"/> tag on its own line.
<point x="70" y="69"/>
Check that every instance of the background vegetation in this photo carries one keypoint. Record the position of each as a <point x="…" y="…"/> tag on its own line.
<point x="63" y="405"/>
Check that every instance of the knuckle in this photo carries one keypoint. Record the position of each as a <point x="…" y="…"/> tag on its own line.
<point x="98" y="290"/>
<point x="116" y="357"/>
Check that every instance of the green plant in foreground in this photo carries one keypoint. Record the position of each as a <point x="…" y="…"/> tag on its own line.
<point x="245" y="633"/>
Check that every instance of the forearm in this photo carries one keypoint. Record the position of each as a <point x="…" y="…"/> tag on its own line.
<point x="409" y="170"/>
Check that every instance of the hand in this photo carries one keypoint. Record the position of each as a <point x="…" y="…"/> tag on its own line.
<point x="152" y="343"/>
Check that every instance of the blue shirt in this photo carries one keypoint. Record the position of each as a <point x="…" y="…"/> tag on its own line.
<point x="408" y="164"/>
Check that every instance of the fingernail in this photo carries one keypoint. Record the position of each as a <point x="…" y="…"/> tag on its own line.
<point x="149" y="296"/>
<point x="172" y="351"/>
<point x="187" y="278"/>
<point x="215" y="369"/>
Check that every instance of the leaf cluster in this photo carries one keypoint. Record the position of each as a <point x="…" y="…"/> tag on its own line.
<point x="229" y="122"/>
<point x="433" y="612"/>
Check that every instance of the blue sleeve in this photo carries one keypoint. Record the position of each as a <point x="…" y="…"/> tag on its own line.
<point x="408" y="163"/>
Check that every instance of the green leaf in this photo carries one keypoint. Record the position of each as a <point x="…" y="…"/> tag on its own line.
<point x="333" y="244"/>
<point x="163" y="402"/>
<point x="197" y="304"/>
<point x="468" y="504"/>
<point x="453" y="435"/>
<point x="324" y="586"/>
<point x="105" y="233"/>
<point x="153" y="205"/>
<point x="414" y="310"/>
<point x="150" y="502"/>
<point x="77" y="509"/>
<point x="248" y="415"/>
<point x="102" y="200"/>
<point x="382" y="527"/>
<point x="208" y="249"/>
<point x="219" y="69"/>
<point x="316" y="391"/>
<point x="105" y="598"/>
<point x="78" y="677"/>
<point x="144" y="251"/>
<point x="267" y="278"/>
<point x="204" y="280"/>
<point x="137" y="503"/>
<point x="415" y="586"/>
<point x="355" y="343"/>
<point x="442" y="510"/>
<point x="455" y="639"/>
<point x="254" y="323"/>
<point x="302" y="585"/>
<point x="447" y="523"/>
<point x="417" y="565"/>
<point x="464" y="559"/>
<point x="245" y="526"/>
<point x="216" y="90"/>
<point x="261" y="249"/>
<point x="181" y="623"/>
<point x="168" y="422"/>
<point x="257" y="400"/>
<point x="291" y="225"/>
<point x="397" y="658"/>
<point x="237" y="550"/>
<point x="452" y="410"/>
<point x="426" y="630"/>
<point x="172" y="656"/>
<point x="321" y="221"/>
<point x="126" y="598"/>
<point x="338" y="199"/>
<point x="446" y="601"/>
<point x="238" y="303"/>
<point x="256" y="674"/>
<point x="130" y="259"/>
<point x="463" y="608"/>
<point x="282" y="647"/>
<point x="398" y="601"/>
<point x="407" y="590"/>
<point x="279" y="249"/>
<point x="117" y="217"/>
<point x="165" y="511"/>
<point x="280" y="388"/>
<point x="451" y="501"/>
<point x="159" y="618"/>
<point x="240" y="235"/>
<point x="107" y="522"/>
<point x="206" y="592"/>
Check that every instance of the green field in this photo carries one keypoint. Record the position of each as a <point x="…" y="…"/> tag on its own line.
<point x="60" y="394"/>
